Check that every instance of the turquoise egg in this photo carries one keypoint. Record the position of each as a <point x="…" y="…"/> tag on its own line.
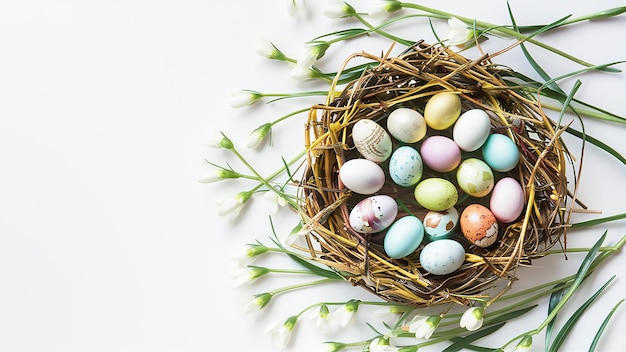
<point x="403" y="237"/>
<point x="405" y="166"/>
<point x="500" y="153"/>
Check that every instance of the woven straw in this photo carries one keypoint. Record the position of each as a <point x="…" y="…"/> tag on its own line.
<point x="408" y="81"/>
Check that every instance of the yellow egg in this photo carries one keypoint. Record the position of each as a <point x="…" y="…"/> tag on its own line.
<point x="442" y="110"/>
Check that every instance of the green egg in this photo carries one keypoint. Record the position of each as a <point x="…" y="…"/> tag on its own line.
<point x="436" y="194"/>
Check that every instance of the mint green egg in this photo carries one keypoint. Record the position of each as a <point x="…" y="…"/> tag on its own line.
<point x="436" y="194"/>
<point x="500" y="152"/>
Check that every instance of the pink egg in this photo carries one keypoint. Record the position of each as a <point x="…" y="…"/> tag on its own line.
<point x="440" y="153"/>
<point x="507" y="200"/>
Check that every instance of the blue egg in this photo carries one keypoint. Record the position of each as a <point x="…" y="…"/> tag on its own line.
<point x="403" y="237"/>
<point x="442" y="257"/>
<point x="500" y="153"/>
<point x="405" y="166"/>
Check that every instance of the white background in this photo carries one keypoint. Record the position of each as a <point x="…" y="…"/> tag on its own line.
<point x="107" y="240"/>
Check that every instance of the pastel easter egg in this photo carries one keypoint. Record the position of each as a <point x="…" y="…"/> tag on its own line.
<point x="442" y="257"/>
<point x="440" y="224"/>
<point x="442" y="110"/>
<point x="373" y="214"/>
<point x="440" y="153"/>
<point x="507" y="200"/>
<point x="475" y="177"/>
<point x="471" y="130"/>
<point x="406" y="125"/>
<point x="436" y="194"/>
<point x="371" y="140"/>
<point x="403" y="237"/>
<point x="500" y="152"/>
<point x="479" y="225"/>
<point x="405" y="166"/>
<point x="362" y="176"/>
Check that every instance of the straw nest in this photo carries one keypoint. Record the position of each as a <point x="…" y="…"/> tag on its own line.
<point x="409" y="80"/>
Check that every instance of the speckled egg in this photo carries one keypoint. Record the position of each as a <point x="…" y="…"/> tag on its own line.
<point x="436" y="194"/>
<point x="440" y="224"/>
<point x="440" y="153"/>
<point x="406" y="125"/>
<point x="405" y="166"/>
<point x="475" y="177"/>
<point x="471" y="130"/>
<point x="442" y="257"/>
<point x="362" y="176"/>
<point x="371" y="140"/>
<point x="403" y="237"/>
<point x="479" y="225"/>
<point x="442" y="110"/>
<point x="373" y="214"/>
<point x="507" y="200"/>
<point x="500" y="152"/>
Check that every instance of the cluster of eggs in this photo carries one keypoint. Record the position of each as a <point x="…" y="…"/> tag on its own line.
<point x="441" y="154"/>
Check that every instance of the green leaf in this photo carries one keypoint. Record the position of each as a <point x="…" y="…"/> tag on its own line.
<point x="598" y="143"/>
<point x="605" y="322"/>
<point x="555" y="298"/>
<point x="571" y="322"/>
<point x="464" y="342"/>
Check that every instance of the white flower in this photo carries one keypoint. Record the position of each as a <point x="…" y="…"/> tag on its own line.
<point x="281" y="332"/>
<point x="297" y="236"/>
<point x="256" y="302"/>
<point x="218" y="140"/>
<point x="472" y="319"/>
<point x="295" y="7"/>
<point x="301" y="73"/>
<point x="258" y="135"/>
<point x="244" y="98"/>
<point x="246" y="276"/>
<point x="274" y="200"/>
<point x="268" y="50"/>
<point x="459" y="33"/>
<point x="382" y="345"/>
<point x="232" y="205"/>
<point x="387" y="314"/>
<point x="525" y="344"/>
<point x="424" y="326"/>
<point x="321" y="317"/>
<point x="311" y="52"/>
<point x="346" y="313"/>
<point x="329" y="347"/>
<point x="338" y="9"/>
<point x="218" y="175"/>
<point x="381" y="9"/>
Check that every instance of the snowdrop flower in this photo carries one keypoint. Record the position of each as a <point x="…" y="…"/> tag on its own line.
<point x="281" y="332"/>
<point x="330" y="347"/>
<point x="380" y="344"/>
<point x="295" y="237"/>
<point x="258" y="135"/>
<point x="218" y="175"/>
<point x="257" y="302"/>
<point x="472" y="319"/>
<point x="381" y="9"/>
<point x="321" y="317"/>
<point x="346" y="313"/>
<point x="274" y="201"/>
<point x="312" y="52"/>
<point x="525" y="345"/>
<point x="244" y="98"/>
<point x="338" y="9"/>
<point x="295" y="7"/>
<point x="233" y="205"/>
<point x="246" y="276"/>
<point x="302" y="73"/>
<point x="268" y="50"/>
<point x="388" y="314"/>
<point x="424" y="326"/>
<point x="219" y="140"/>
<point x="242" y="258"/>
<point x="459" y="32"/>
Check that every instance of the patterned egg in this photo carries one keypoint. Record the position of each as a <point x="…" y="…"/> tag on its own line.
<point x="436" y="194"/>
<point x="362" y="176"/>
<point x="479" y="225"/>
<point x="471" y="130"/>
<point x="500" y="152"/>
<point x="403" y="237"/>
<point x="371" y="140"/>
<point x="507" y="200"/>
<point x="373" y="214"/>
<point x="475" y="177"/>
<point x="440" y="153"/>
<point x="442" y="110"/>
<point x="405" y="166"/>
<point x="442" y="257"/>
<point x="440" y="224"/>
<point x="406" y="125"/>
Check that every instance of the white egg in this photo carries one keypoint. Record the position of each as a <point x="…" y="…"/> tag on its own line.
<point x="373" y="214"/>
<point x="442" y="257"/>
<point x="371" y="140"/>
<point x="406" y="125"/>
<point x="362" y="176"/>
<point x="471" y="130"/>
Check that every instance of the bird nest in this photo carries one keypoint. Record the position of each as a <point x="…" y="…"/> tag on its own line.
<point x="410" y="80"/>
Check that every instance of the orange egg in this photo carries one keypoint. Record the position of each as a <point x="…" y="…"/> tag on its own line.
<point x="479" y="225"/>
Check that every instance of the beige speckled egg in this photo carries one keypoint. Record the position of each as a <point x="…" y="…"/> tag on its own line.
<point x="371" y="140"/>
<point x="442" y="110"/>
<point x="479" y="225"/>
